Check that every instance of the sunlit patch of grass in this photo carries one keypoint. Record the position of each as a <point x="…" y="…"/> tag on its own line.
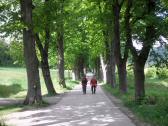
<point x="10" y="76"/>
<point x="13" y="84"/>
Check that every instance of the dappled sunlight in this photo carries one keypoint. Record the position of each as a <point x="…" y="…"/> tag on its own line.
<point x="75" y="109"/>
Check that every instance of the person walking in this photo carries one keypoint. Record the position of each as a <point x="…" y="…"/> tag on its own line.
<point x="93" y="84"/>
<point x="84" y="84"/>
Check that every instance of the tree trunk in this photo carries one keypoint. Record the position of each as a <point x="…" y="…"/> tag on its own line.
<point x="34" y="87"/>
<point x="110" y="61"/>
<point x="139" y="80"/>
<point x="98" y="74"/>
<point x="103" y="67"/>
<point x="60" y="43"/>
<point x="121" y="63"/>
<point x="76" y="73"/>
<point x="108" y="65"/>
<point x="122" y="77"/>
<point x="79" y="67"/>
<point x="47" y="76"/>
<point x="44" y="64"/>
<point x="110" y="72"/>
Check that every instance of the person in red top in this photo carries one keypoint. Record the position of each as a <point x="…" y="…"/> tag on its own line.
<point x="93" y="84"/>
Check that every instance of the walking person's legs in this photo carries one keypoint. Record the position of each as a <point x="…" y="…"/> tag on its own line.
<point x="92" y="88"/>
<point x="94" y="91"/>
<point x="84" y="89"/>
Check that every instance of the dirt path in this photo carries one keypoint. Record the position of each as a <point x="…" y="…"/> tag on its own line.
<point x="74" y="109"/>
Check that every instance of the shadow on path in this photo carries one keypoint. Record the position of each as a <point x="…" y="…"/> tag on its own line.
<point x="75" y="109"/>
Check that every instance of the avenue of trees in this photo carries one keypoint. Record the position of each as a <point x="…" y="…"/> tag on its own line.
<point x="82" y="35"/>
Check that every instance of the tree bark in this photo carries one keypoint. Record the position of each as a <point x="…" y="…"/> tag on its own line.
<point x="121" y="62"/>
<point x="79" y="67"/>
<point x="45" y="65"/>
<point x="139" y="80"/>
<point x="141" y="58"/>
<point x="34" y="87"/>
<point x="47" y="76"/>
<point x="122" y="77"/>
<point x="60" y="44"/>
<point x="110" y="58"/>
<point x="44" y="57"/>
<point x="108" y="61"/>
<point x="98" y="73"/>
<point x="103" y="67"/>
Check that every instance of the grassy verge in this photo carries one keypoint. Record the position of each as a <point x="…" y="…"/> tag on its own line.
<point x="154" y="108"/>
<point x="13" y="84"/>
<point x="7" y="109"/>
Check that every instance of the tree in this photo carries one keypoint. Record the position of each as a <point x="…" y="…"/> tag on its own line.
<point x="5" y="58"/>
<point x="60" y="44"/>
<point x="16" y="53"/>
<point x="108" y="62"/>
<point x="147" y="37"/>
<point x="120" y="60"/>
<point x="44" y="49"/>
<point x="31" y="61"/>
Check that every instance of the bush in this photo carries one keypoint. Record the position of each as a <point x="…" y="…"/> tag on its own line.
<point x="151" y="72"/>
<point x="162" y="73"/>
<point x="130" y="73"/>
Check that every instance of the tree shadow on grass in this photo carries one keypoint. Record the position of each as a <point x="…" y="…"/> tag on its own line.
<point x="8" y="90"/>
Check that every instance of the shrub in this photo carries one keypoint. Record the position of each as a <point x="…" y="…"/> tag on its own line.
<point x="151" y="72"/>
<point x="162" y="73"/>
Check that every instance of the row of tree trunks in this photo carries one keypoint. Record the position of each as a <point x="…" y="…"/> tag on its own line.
<point x="107" y="60"/>
<point x="98" y="69"/>
<point x="79" y="67"/>
<point x="31" y="61"/>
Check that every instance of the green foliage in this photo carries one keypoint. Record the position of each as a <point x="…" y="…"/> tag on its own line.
<point x="162" y="73"/>
<point x="10" y="18"/>
<point x="16" y="53"/>
<point x="5" y="58"/>
<point x="71" y="84"/>
<point x="151" y="72"/>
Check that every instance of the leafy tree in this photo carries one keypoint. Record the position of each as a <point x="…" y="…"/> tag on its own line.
<point x="31" y="61"/>
<point x="16" y="53"/>
<point x="43" y="48"/>
<point x="5" y="57"/>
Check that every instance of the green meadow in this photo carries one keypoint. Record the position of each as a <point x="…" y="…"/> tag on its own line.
<point x="13" y="82"/>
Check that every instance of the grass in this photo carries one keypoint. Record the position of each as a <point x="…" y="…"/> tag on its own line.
<point x="154" y="108"/>
<point x="13" y="84"/>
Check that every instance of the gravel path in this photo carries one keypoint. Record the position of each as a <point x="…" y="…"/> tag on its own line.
<point x="74" y="109"/>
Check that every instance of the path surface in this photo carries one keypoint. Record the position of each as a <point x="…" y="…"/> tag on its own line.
<point x="74" y="109"/>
